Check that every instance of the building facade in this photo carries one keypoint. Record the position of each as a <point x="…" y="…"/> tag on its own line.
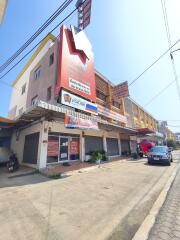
<point x="54" y="128"/>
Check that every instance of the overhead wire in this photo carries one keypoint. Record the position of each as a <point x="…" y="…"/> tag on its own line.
<point x="62" y="7"/>
<point x="20" y="60"/>
<point x="166" y="22"/>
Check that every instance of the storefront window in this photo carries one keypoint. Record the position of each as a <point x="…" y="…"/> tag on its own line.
<point x="63" y="148"/>
<point x="53" y="149"/>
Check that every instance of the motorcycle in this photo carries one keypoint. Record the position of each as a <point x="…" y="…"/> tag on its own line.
<point x="12" y="164"/>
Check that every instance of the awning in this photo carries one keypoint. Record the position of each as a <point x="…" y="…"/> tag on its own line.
<point x="6" y="123"/>
<point x="41" y="109"/>
<point x="145" y="130"/>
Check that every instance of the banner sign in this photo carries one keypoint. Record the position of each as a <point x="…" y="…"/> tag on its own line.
<point x="121" y="90"/>
<point x="84" y="13"/>
<point x="75" y="64"/>
<point x="53" y="147"/>
<point x="77" y="122"/>
<point x="111" y="114"/>
<point x="72" y="100"/>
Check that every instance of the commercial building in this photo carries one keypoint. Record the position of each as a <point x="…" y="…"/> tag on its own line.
<point x="3" y="5"/>
<point x="64" y="109"/>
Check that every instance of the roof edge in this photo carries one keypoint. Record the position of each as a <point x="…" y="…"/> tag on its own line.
<point x="40" y="47"/>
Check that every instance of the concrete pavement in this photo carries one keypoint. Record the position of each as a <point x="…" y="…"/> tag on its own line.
<point x="104" y="203"/>
<point x="167" y="225"/>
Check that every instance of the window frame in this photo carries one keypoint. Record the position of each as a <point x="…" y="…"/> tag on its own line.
<point x="37" y="73"/>
<point x="23" y="89"/>
<point x="51" y="59"/>
<point x="49" y="93"/>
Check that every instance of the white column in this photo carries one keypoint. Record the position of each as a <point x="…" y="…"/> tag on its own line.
<point x="82" y="148"/>
<point x="43" y="145"/>
<point x="119" y="145"/>
<point x="104" y="143"/>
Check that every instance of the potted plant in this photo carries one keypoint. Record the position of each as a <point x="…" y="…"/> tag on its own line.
<point x="97" y="156"/>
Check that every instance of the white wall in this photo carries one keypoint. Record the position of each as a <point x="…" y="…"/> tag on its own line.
<point x="16" y="97"/>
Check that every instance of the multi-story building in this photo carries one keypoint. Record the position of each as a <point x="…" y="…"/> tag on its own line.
<point x="3" y="5"/>
<point x="54" y="128"/>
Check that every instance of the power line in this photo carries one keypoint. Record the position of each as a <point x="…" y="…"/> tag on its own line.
<point x="159" y="93"/>
<point x="36" y="34"/>
<point x="164" y="10"/>
<point x="70" y="14"/>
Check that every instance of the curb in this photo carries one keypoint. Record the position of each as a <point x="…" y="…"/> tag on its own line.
<point x="145" y="228"/>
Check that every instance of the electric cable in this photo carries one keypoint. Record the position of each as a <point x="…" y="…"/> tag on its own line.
<point x="70" y="14"/>
<point x="36" y="34"/>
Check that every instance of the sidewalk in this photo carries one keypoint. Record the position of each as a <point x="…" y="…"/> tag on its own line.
<point x="167" y="225"/>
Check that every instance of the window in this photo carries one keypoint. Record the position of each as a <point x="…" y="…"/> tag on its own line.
<point x="49" y="93"/>
<point x="34" y="100"/>
<point x="100" y="95"/>
<point x="51" y="59"/>
<point x="37" y="73"/>
<point x="116" y="104"/>
<point x="23" y="89"/>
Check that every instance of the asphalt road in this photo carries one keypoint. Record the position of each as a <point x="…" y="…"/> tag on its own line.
<point x="103" y="203"/>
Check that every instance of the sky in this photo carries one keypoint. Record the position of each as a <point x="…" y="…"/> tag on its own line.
<point x="127" y="36"/>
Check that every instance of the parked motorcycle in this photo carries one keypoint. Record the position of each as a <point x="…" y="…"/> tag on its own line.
<point x="12" y="164"/>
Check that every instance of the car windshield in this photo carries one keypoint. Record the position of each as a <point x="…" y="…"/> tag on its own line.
<point x="159" y="149"/>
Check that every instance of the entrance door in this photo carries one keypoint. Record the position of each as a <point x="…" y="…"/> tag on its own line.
<point x="64" y="149"/>
<point x="31" y="148"/>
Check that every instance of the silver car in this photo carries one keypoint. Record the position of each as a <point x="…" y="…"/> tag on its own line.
<point x="160" y="154"/>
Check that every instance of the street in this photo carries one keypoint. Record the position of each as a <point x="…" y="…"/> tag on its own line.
<point x="167" y="225"/>
<point x="103" y="203"/>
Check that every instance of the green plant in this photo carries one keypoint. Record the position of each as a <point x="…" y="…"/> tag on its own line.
<point x="104" y="155"/>
<point x="96" y="155"/>
<point x="56" y="176"/>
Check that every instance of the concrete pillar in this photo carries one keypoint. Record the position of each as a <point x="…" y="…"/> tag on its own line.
<point x="82" y="148"/>
<point x="119" y="145"/>
<point x="104" y="143"/>
<point x="43" y="145"/>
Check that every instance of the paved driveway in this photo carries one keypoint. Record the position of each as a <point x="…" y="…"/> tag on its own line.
<point x="103" y="203"/>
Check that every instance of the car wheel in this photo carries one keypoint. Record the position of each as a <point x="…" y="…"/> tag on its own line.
<point x="149" y="162"/>
<point x="169" y="164"/>
<point x="171" y="159"/>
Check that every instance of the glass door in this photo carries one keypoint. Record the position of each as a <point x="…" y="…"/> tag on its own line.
<point x="64" y="149"/>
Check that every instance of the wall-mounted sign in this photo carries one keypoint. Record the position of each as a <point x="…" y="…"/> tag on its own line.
<point x="84" y="13"/>
<point x="72" y="100"/>
<point x="121" y="90"/>
<point x="111" y="114"/>
<point x="76" y="64"/>
<point x="77" y="122"/>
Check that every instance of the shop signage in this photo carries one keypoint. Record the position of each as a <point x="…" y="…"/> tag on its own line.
<point x="53" y="147"/>
<point x="75" y="64"/>
<point x="121" y="90"/>
<point x="84" y="13"/>
<point x="111" y="114"/>
<point x="72" y="100"/>
<point x="77" y="122"/>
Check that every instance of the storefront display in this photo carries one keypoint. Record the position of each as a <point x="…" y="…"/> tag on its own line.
<point x="62" y="148"/>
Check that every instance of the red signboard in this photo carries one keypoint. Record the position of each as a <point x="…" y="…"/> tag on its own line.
<point x="76" y="64"/>
<point x="121" y="90"/>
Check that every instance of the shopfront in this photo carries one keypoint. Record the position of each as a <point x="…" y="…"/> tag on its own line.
<point x="63" y="148"/>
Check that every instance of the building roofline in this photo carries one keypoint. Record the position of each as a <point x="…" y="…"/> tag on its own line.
<point x="38" y="50"/>
<point x="142" y="108"/>
<point x="3" y="11"/>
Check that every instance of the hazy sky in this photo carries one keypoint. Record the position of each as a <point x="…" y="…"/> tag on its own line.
<point x="126" y="36"/>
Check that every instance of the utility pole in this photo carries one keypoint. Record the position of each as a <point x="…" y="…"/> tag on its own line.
<point x="174" y="70"/>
